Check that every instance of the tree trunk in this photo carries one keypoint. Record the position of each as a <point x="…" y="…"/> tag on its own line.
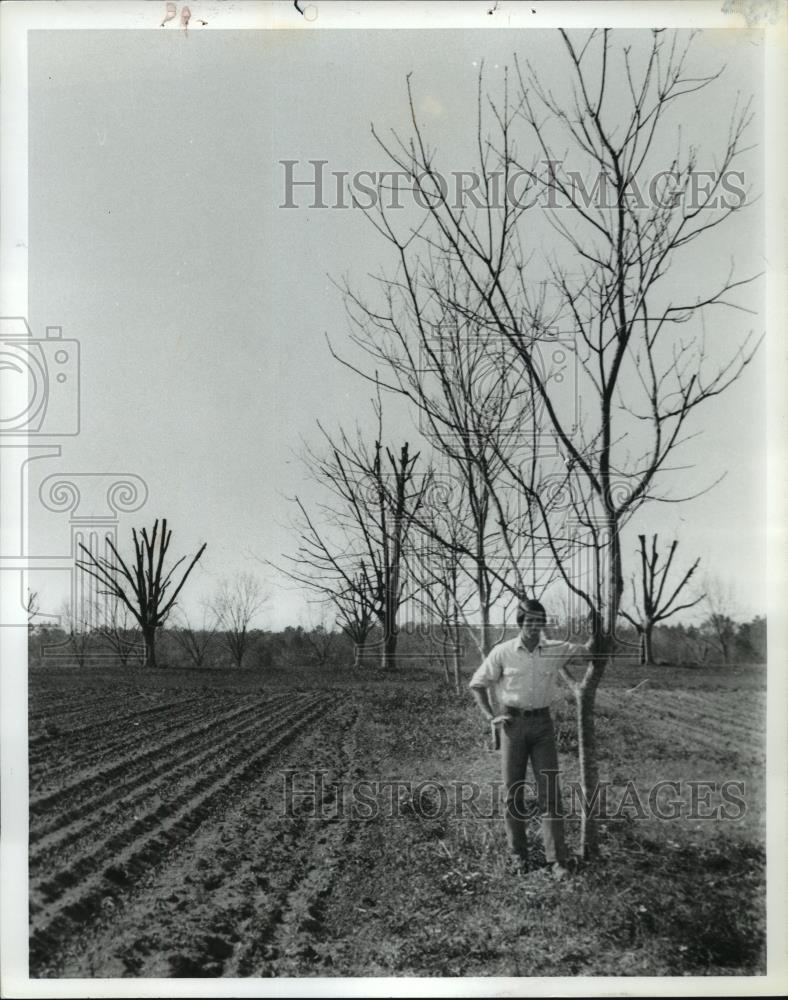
<point x="456" y="664"/>
<point x="485" y="631"/>
<point x="445" y="658"/>
<point x="585" y="698"/>
<point x="647" y="657"/>
<point x="360" y="651"/>
<point x="389" y="655"/>
<point x="585" y="693"/>
<point x="149" y="639"/>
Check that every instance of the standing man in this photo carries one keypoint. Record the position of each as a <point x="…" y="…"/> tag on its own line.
<point x="522" y="672"/>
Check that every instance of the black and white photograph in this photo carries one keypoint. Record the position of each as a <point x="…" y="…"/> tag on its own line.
<point x="393" y="527"/>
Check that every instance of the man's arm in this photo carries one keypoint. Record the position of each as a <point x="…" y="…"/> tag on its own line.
<point x="482" y="699"/>
<point x="575" y="652"/>
<point x="487" y="674"/>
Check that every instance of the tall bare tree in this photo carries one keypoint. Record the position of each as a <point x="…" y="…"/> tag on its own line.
<point x="596" y="297"/>
<point x="142" y="584"/>
<point x="470" y="403"/>
<point x="236" y="604"/>
<point x="655" y="604"/>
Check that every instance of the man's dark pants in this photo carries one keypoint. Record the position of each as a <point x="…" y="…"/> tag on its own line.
<point x="524" y="738"/>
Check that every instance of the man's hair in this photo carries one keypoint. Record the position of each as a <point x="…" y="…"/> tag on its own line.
<point x="533" y="609"/>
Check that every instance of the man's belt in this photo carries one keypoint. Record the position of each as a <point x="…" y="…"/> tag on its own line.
<point x="525" y="713"/>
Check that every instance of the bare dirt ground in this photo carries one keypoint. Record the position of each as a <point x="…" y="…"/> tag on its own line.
<point x="163" y="843"/>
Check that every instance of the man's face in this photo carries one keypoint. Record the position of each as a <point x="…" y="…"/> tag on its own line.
<point x="531" y="629"/>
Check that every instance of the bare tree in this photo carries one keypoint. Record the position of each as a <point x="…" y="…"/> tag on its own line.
<point x="77" y="631"/>
<point x="470" y="403"/>
<point x="321" y="641"/>
<point x="443" y="591"/>
<point x="355" y="614"/>
<point x="596" y="285"/>
<point x="444" y="597"/>
<point x="142" y="585"/>
<point x="236" y="604"/>
<point x="355" y="546"/>
<point x="655" y="604"/>
<point x="32" y="608"/>
<point x="719" y="628"/>
<point x="118" y="628"/>
<point x="195" y="638"/>
<point x="447" y="568"/>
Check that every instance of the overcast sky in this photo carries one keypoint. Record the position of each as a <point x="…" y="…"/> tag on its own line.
<point x="201" y="306"/>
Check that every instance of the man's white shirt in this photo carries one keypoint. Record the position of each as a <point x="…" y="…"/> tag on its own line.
<point x="522" y="678"/>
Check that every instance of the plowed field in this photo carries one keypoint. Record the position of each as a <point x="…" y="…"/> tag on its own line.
<point x="162" y="842"/>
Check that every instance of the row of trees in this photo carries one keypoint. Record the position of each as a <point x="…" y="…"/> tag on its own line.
<point x="450" y="652"/>
<point x="550" y="350"/>
<point x="185" y="646"/>
<point x="227" y="618"/>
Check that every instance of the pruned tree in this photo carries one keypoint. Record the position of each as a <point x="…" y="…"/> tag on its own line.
<point x="236" y="604"/>
<point x="654" y="603"/>
<point x="142" y="584"/>
<point x="353" y="549"/>
<point x="596" y="297"/>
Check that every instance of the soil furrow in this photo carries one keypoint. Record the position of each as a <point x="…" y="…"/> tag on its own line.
<point x="659" y="716"/>
<point x="184" y="716"/>
<point x="231" y="869"/>
<point x="70" y="826"/>
<point x="147" y="841"/>
<point x="40" y="744"/>
<point x="60" y="711"/>
<point x="286" y="920"/>
<point x="99" y="775"/>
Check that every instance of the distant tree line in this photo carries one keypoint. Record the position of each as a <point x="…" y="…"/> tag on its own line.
<point x="446" y="653"/>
